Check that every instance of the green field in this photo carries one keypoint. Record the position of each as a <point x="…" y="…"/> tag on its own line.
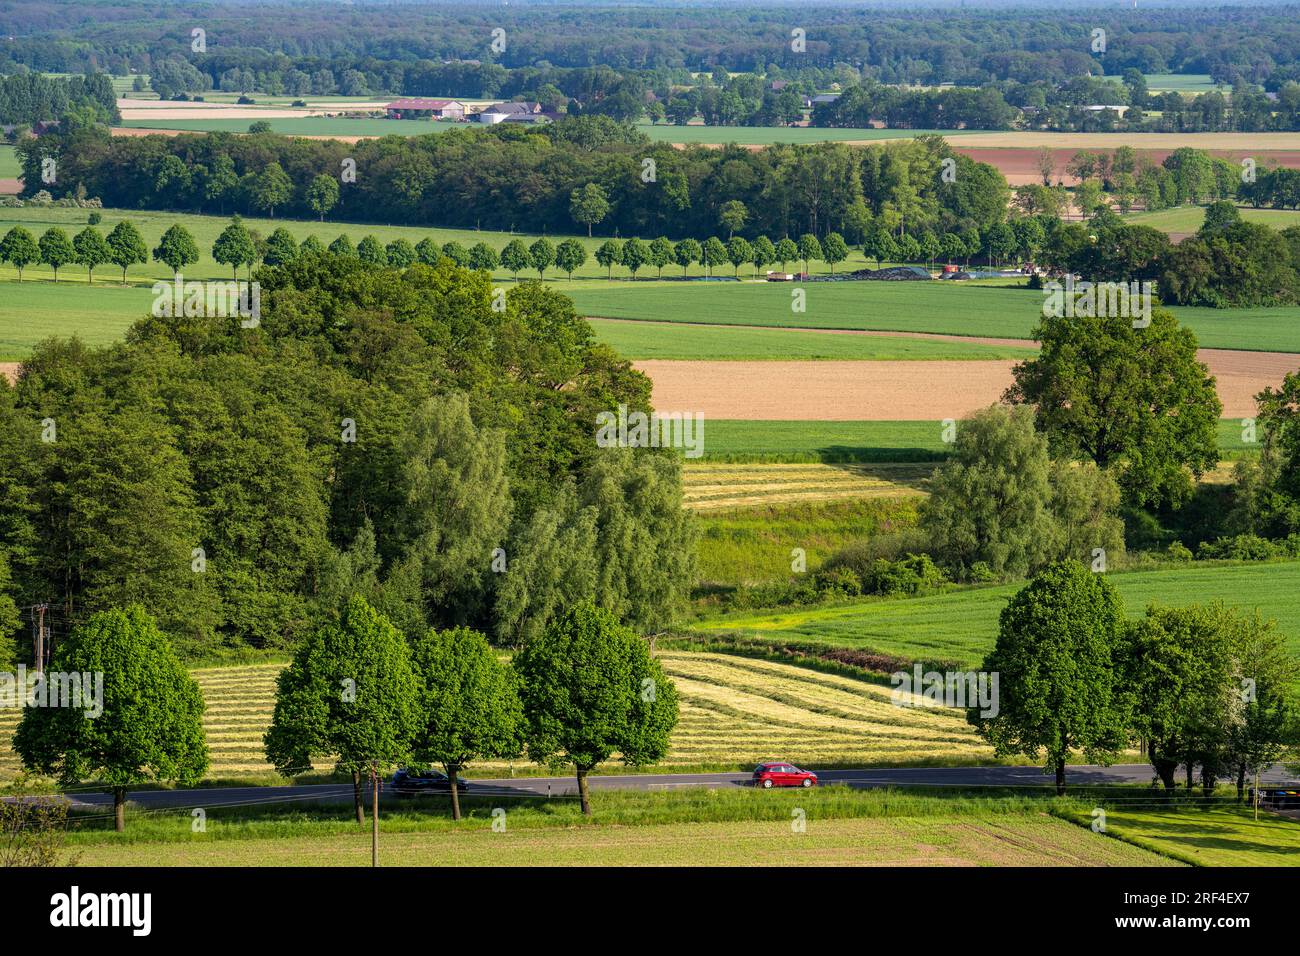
<point x="786" y="441"/>
<point x="1188" y="219"/>
<point x="9" y="168"/>
<point x="991" y="838"/>
<point x="663" y="340"/>
<point x="738" y="440"/>
<point x="660" y="133"/>
<point x="946" y="308"/>
<point x="99" y="314"/>
<point x="960" y="626"/>
<point x="751" y="544"/>
<point x="1182" y="83"/>
<point x="1219" y="836"/>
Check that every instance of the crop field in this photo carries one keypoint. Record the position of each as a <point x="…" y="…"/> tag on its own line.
<point x="793" y="442"/>
<point x="663" y="340"/>
<point x="1188" y="219"/>
<point x="990" y="838"/>
<point x="960" y="626"/>
<point x="734" y="712"/>
<point x="1182" y="83"/>
<point x="735" y="440"/>
<point x="945" y="308"/>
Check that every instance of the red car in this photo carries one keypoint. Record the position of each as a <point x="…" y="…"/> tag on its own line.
<point x="769" y="775"/>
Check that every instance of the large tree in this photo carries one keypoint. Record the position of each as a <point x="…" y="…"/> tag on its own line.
<point x="126" y="247"/>
<point x="1059" y="691"/>
<point x="151" y="724"/>
<point x="989" y="503"/>
<point x="1135" y="399"/>
<point x="351" y="694"/>
<point x="592" y="689"/>
<point x="177" y="249"/>
<point x="19" y="249"/>
<point x="469" y="706"/>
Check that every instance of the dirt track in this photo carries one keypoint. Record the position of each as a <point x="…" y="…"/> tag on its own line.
<point x="897" y="391"/>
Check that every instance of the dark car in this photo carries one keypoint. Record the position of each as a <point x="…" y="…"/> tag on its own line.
<point x="408" y="782"/>
<point x="777" y="774"/>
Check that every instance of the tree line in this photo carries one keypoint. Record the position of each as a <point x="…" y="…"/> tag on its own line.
<point x="965" y="47"/>
<point x="644" y="188"/>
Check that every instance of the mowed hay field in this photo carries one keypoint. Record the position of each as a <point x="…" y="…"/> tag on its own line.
<point x="735" y="711"/>
<point x="726" y="486"/>
<point x="746" y="709"/>
<point x="983" y="839"/>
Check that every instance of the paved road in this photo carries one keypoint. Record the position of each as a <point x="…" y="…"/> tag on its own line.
<point x="532" y="787"/>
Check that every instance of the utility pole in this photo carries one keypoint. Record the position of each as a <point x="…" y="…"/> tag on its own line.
<point x="1257" y="794"/>
<point x="374" y="814"/>
<point x="39" y="637"/>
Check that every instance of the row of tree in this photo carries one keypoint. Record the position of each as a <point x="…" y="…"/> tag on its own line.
<point x="360" y="692"/>
<point x="1199" y="687"/>
<point x="578" y="692"/>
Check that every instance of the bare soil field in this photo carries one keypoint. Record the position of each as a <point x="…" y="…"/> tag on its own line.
<point x="897" y="391"/>
<point x="10" y="187"/>
<point x="1247" y="144"/>
<point x="9" y="370"/>
<point x="1020" y="164"/>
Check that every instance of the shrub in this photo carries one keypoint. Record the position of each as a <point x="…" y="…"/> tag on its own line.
<point x="1177" y="551"/>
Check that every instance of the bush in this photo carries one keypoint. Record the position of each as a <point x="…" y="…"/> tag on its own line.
<point x="94" y="219"/>
<point x="1177" y="551"/>
<point x="1243" y="547"/>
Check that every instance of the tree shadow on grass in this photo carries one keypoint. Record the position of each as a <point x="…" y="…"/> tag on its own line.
<point x="1186" y="829"/>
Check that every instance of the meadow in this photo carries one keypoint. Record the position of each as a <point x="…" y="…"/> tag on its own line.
<point x="1212" y="836"/>
<point x="751" y="543"/>
<point x="9" y="168"/>
<point x="958" y="627"/>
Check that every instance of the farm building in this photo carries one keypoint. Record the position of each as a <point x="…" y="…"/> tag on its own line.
<point x="514" y="112"/>
<point x="420" y="108"/>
